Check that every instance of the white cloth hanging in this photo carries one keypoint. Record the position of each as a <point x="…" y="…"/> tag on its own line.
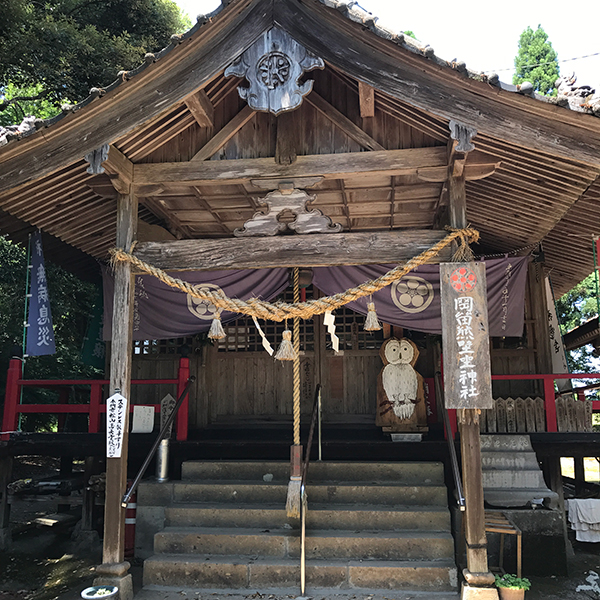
<point x="584" y="518"/>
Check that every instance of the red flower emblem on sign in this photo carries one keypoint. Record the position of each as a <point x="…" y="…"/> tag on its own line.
<point x="463" y="279"/>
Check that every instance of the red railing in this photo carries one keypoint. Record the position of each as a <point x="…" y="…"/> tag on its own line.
<point x="550" y="394"/>
<point x="13" y="408"/>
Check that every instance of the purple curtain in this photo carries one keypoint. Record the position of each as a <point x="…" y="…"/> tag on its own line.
<point x="414" y="301"/>
<point x="162" y="312"/>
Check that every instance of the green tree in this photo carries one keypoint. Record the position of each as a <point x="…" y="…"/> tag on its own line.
<point x="65" y="47"/>
<point x="536" y="61"/>
<point x="71" y="301"/>
<point x="573" y="309"/>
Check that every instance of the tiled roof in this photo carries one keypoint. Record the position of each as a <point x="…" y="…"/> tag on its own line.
<point x="570" y="96"/>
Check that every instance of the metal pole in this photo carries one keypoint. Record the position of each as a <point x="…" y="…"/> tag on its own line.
<point x="160" y="437"/>
<point x="320" y="439"/>
<point x="302" y="541"/>
<point x="162" y="461"/>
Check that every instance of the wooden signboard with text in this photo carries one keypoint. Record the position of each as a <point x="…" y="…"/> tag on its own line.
<point x="465" y="335"/>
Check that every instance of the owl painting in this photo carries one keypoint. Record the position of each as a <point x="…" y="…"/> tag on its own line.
<point x="400" y="398"/>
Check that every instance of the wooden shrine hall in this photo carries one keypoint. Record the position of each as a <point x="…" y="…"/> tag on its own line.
<point x="291" y="160"/>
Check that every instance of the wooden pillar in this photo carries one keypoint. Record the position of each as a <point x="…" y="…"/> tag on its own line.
<point x="5" y="476"/>
<point x="88" y="496"/>
<point x="579" y="473"/>
<point x="477" y="572"/>
<point x="114" y="568"/>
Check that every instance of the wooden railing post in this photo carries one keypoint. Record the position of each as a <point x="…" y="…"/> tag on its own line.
<point x="183" y="415"/>
<point x="95" y="398"/>
<point x="12" y="396"/>
<point x="550" y="404"/>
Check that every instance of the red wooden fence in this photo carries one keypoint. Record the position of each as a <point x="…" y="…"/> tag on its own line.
<point x="13" y="408"/>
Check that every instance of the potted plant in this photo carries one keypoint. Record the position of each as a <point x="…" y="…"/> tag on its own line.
<point x="512" y="587"/>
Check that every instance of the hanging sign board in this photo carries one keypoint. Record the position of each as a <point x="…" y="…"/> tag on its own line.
<point x="116" y="411"/>
<point x="465" y="336"/>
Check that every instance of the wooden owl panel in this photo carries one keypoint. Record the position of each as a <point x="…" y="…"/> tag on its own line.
<point x="400" y="392"/>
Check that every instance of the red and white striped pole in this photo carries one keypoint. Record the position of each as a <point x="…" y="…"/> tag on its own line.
<point x="130" y="524"/>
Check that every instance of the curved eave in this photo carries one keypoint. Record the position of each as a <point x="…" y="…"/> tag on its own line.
<point x="348" y="45"/>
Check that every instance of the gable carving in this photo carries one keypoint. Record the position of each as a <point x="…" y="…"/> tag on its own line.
<point x="292" y="201"/>
<point x="272" y="66"/>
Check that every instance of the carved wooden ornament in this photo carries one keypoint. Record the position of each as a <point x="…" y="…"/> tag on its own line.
<point x="400" y="394"/>
<point x="96" y="158"/>
<point x="278" y="202"/>
<point x="273" y="65"/>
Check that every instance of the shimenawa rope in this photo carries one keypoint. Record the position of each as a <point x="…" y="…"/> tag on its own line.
<point x="279" y="311"/>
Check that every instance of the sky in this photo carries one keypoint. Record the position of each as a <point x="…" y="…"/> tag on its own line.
<point x="485" y="35"/>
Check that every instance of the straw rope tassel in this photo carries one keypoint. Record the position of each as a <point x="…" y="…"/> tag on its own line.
<point x="371" y="322"/>
<point x="216" y="331"/>
<point x="293" y="501"/>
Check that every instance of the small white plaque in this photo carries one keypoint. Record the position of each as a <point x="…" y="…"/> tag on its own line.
<point x="167" y="406"/>
<point x="116" y="410"/>
<point x="143" y="419"/>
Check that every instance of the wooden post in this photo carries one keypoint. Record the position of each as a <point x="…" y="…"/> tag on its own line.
<point x="579" y="474"/>
<point x="477" y="573"/>
<point x="183" y="374"/>
<point x="5" y="476"/>
<point x="12" y="397"/>
<point x="114" y="568"/>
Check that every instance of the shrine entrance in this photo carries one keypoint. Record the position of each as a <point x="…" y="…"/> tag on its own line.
<point x="243" y="382"/>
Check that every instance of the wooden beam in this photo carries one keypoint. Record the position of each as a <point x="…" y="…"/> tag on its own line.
<point x="224" y="135"/>
<point x="201" y="107"/>
<point x="288" y="250"/>
<point x="287" y="138"/>
<point x="120" y="379"/>
<point x="120" y="170"/>
<point x="343" y="122"/>
<point x="330" y="166"/>
<point x="366" y="99"/>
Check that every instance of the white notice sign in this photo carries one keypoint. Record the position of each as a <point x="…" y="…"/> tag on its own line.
<point x="116" y="410"/>
<point x="143" y="419"/>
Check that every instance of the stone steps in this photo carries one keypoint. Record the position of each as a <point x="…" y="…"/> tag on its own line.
<point x="369" y="526"/>
<point x="209" y="571"/>
<point x="320" y="544"/>
<point x="320" y="516"/>
<point x="322" y="492"/>
<point x="397" y="473"/>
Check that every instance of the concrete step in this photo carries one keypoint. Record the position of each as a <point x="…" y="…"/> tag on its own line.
<point x="163" y="592"/>
<point x="384" y="493"/>
<point x="403" y="473"/>
<point x="319" y="516"/>
<point x="208" y="571"/>
<point x="320" y="544"/>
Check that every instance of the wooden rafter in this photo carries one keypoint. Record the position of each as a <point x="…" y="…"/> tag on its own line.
<point x="366" y="100"/>
<point x="202" y="201"/>
<point x="201" y="108"/>
<point x="343" y="122"/>
<point x="224" y="135"/>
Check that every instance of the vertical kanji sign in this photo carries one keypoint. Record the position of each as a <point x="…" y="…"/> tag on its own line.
<point x="465" y="335"/>
<point x="116" y="410"/>
<point x="40" y="333"/>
